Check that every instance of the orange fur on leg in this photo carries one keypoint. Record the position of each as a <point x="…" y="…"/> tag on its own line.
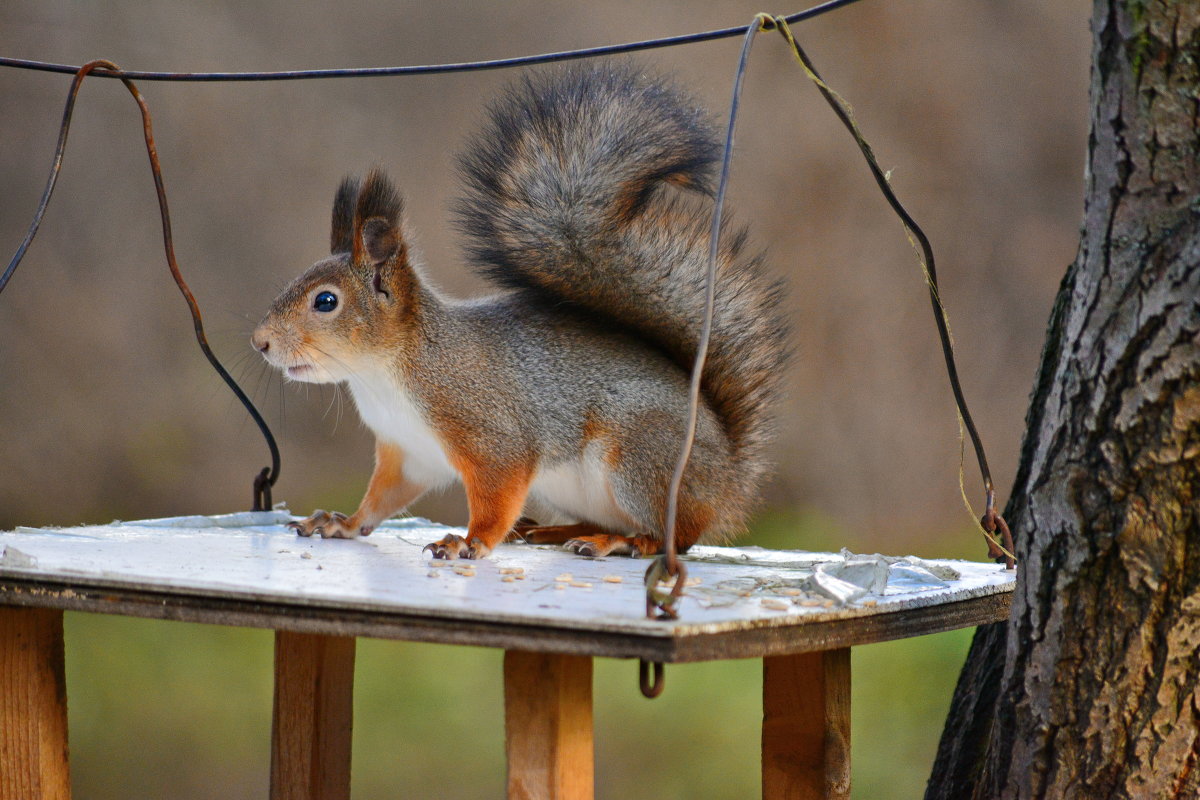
<point x="388" y="492"/>
<point x="495" y="499"/>
<point x="586" y="539"/>
<point x="553" y="534"/>
<point x="693" y="521"/>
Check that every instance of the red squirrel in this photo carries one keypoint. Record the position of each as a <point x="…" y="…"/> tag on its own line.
<point x="588" y="201"/>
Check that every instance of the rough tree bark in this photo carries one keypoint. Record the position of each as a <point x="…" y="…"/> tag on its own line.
<point x="1090" y="689"/>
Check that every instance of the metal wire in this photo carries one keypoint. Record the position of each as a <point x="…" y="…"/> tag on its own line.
<point x="106" y="69"/>
<point x="991" y="518"/>
<point x="264" y="480"/>
<point x="55" y="168"/>
<point x="668" y="562"/>
<point x="425" y="69"/>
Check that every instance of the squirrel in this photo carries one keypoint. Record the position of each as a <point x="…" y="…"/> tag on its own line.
<point x="589" y="203"/>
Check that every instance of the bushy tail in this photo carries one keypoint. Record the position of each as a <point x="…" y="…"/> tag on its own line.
<point x="570" y="199"/>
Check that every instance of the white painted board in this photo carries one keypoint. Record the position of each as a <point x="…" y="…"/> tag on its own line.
<point x="255" y="557"/>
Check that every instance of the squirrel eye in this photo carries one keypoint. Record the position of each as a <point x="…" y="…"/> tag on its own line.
<point x="325" y="302"/>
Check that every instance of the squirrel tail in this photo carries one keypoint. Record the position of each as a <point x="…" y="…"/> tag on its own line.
<point x="573" y="197"/>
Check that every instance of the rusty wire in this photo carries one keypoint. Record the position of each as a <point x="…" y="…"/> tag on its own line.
<point x="664" y="606"/>
<point x="107" y="69"/>
<point x="659" y="604"/>
<point x="991" y="518"/>
<point x="992" y="521"/>
<point x="264" y="480"/>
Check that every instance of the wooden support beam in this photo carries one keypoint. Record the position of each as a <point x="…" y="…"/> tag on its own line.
<point x="548" y="726"/>
<point x="33" y="706"/>
<point x="313" y="718"/>
<point x="806" y="726"/>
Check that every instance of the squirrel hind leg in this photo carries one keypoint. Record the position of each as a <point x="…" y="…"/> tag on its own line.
<point x="600" y="543"/>
<point x="530" y="532"/>
<point x="693" y="520"/>
<point x="587" y="539"/>
<point x="597" y="545"/>
<point x="695" y="517"/>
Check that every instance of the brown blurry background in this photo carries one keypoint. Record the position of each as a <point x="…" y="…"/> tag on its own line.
<point x="108" y="410"/>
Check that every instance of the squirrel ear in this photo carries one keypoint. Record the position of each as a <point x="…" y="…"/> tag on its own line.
<point x="377" y="211"/>
<point x="380" y="240"/>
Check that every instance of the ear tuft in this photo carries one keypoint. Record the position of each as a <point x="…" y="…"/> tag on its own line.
<point x="378" y="209"/>
<point x="341" y="236"/>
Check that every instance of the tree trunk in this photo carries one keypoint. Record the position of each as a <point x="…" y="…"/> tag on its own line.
<point x="1090" y="689"/>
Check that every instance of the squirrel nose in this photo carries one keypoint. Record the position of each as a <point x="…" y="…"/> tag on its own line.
<point x="260" y="342"/>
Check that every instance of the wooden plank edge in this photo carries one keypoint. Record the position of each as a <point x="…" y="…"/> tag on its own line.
<point x="749" y="643"/>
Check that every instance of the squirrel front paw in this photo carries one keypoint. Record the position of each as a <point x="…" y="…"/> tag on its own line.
<point x="329" y="525"/>
<point x="454" y="546"/>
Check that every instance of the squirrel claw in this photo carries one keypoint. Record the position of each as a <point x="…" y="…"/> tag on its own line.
<point x="453" y="546"/>
<point x="326" y="524"/>
<point x="450" y="546"/>
<point x="582" y="547"/>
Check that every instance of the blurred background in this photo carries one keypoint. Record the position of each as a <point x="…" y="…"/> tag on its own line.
<point x="108" y="410"/>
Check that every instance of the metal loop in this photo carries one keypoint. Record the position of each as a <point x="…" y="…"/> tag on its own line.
<point x="660" y="604"/>
<point x="650" y="690"/>
<point x="990" y="522"/>
<point x="262" y="491"/>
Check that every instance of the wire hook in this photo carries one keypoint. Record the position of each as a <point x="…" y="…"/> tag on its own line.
<point x="650" y="690"/>
<point x="266" y="479"/>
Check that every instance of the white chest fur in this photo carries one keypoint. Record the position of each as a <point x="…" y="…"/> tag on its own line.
<point x="387" y="409"/>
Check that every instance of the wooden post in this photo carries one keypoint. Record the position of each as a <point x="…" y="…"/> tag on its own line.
<point x="806" y="726"/>
<point x="33" y="706"/>
<point x="548" y="726"/>
<point x="310" y="731"/>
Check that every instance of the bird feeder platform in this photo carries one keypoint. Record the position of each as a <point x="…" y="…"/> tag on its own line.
<point x="550" y="610"/>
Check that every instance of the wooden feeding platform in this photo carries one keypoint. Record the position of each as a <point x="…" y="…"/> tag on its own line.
<point x="551" y="611"/>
